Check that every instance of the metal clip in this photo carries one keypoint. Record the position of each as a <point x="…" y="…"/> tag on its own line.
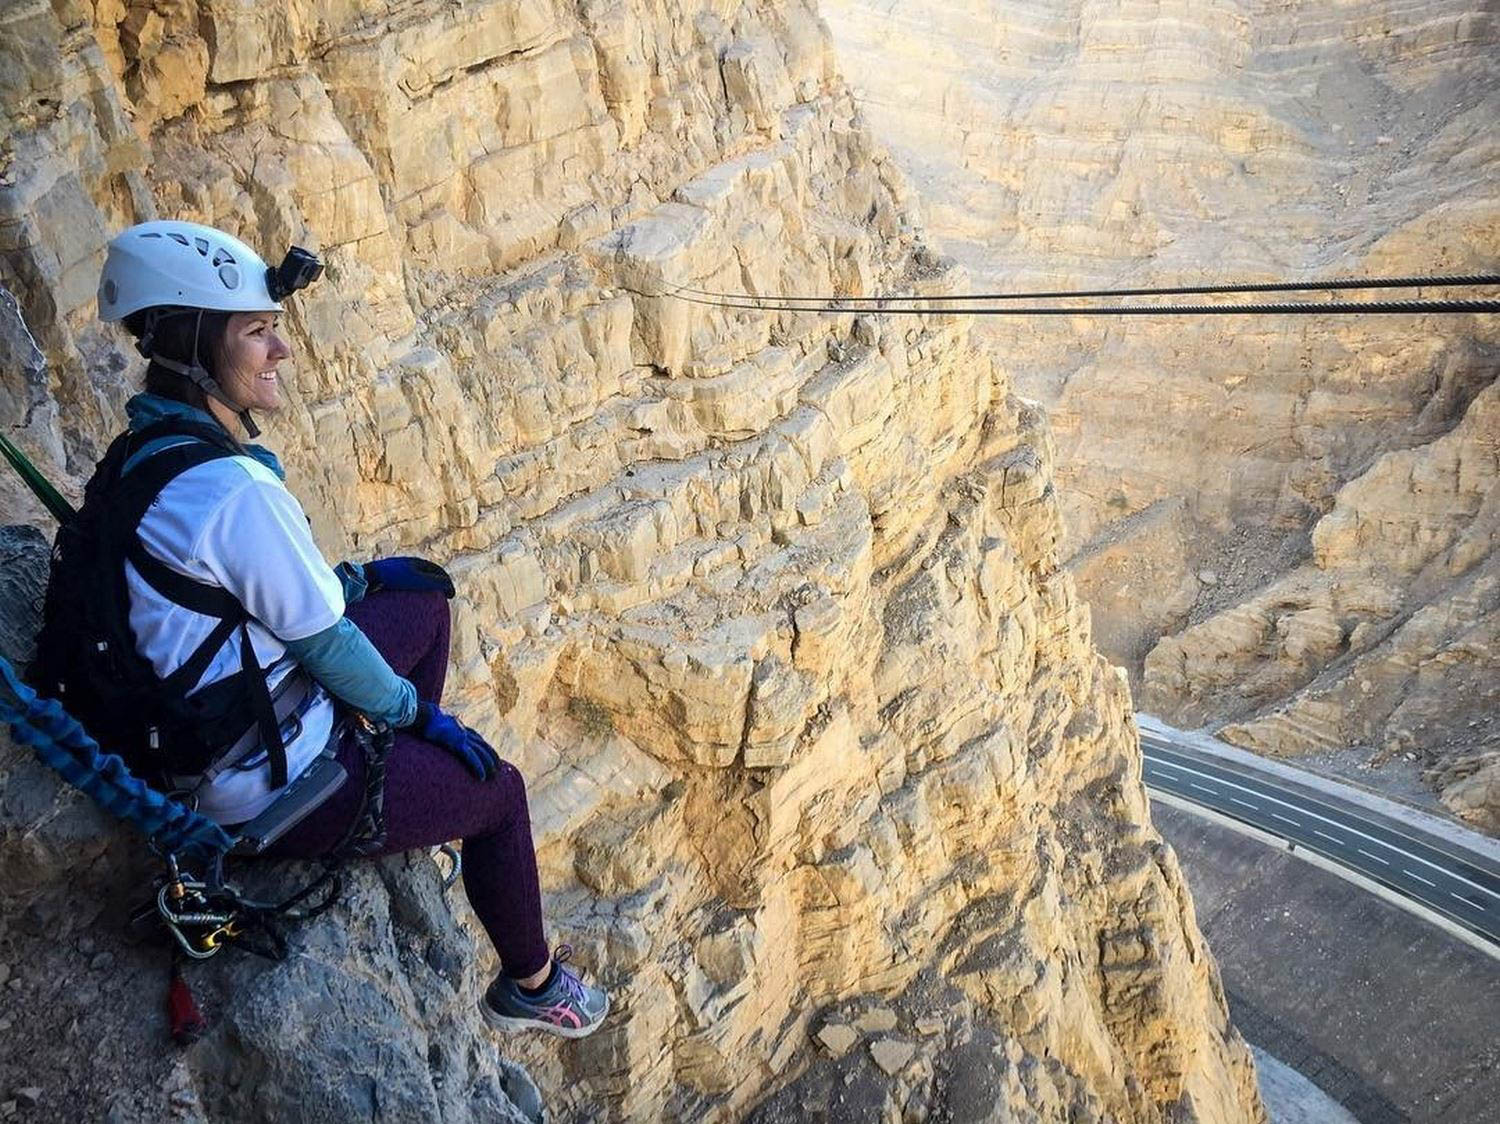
<point x="212" y="941"/>
<point x="186" y="909"/>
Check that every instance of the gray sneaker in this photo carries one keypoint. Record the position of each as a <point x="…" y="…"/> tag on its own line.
<point x="568" y="1007"/>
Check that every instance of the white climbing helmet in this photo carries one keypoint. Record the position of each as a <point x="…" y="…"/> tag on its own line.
<point x="182" y="264"/>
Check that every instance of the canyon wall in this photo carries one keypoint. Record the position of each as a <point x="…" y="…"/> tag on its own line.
<point x="768" y="609"/>
<point x="1212" y="469"/>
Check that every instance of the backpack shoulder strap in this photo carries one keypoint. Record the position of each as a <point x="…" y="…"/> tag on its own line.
<point x="137" y="480"/>
<point x="135" y="491"/>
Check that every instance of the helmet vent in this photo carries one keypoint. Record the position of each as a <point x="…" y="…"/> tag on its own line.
<point x="111" y="291"/>
<point x="178" y="238"/>
<point x="230" y="276"/>
<point x="202" y="244"/>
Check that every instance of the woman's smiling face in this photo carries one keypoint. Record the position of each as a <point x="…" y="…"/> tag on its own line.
<point x="248" y="357"/>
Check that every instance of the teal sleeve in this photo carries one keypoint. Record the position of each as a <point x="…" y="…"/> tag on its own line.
<point x="344" y="661"/>
<point x="351" y="576"/>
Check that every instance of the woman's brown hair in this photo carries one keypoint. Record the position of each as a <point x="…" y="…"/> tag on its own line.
<point x="172" y="337"/>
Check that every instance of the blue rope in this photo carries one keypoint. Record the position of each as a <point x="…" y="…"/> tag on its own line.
<point x="64" y="746"/>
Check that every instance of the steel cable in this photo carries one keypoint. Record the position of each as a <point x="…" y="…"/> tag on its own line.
<point x="1341" y="284"/>
<point x="1330" y="308"/>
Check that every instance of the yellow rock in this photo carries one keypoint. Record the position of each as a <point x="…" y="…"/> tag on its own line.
<point x="766" y="607"/>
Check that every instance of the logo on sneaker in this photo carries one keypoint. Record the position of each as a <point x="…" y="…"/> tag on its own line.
<point x="562" y="1015"/>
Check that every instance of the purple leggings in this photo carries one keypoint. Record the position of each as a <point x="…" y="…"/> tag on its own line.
<point x="430" y="798"/>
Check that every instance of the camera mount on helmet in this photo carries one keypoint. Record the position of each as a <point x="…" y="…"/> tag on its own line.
<point x="299" y="269"/>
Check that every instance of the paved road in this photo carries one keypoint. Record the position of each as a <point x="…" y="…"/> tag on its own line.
<point x="1391" y="1016"/>
<point x="1461" y="885"/>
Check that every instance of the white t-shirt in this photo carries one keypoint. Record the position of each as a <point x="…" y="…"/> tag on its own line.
<point x="231" y="523"/>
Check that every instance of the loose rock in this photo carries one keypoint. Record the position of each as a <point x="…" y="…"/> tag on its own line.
<point x="837" y="1038"/>
<point x="891" y="1054"/>
<point x="877" y="1020"/>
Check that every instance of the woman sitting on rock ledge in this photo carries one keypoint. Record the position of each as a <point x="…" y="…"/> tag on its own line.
<point x="366" y="640"/>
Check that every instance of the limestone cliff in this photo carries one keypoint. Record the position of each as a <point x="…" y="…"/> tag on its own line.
<point x="1203" y="462"/>
<point x="767" y="609"/>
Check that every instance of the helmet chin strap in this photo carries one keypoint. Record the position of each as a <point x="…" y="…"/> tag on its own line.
<point x="205" y="382"/>
<point x="199" y="376"/>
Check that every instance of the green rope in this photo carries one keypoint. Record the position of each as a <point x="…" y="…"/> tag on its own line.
<point x="40" y="486"/>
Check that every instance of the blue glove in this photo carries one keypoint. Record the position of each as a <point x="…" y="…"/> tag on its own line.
<point x="441" y="729"/>
<point x="415" y="575"/>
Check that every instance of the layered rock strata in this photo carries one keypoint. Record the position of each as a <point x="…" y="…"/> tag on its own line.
<point x="1098" y="143"/>
<point x="1389" y="636"/>
<point x="767" y="608"/>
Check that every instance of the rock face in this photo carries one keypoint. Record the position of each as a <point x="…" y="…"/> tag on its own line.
<point x="1389" y="637"/>
<point x="767" y="609"/>
<point x="1096" y="143"/>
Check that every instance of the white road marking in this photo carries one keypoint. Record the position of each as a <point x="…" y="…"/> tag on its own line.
<point x="1353" y="831"/>
<point x="1201" y="788"/>
<point x="1286" y="819"/>
<point x="1367" y="855"/>
<point x="1330" y="838"/>
<point x="1245" y="803"/>
<point x="1419" y="878"/>
<point x="1466" y="901"/>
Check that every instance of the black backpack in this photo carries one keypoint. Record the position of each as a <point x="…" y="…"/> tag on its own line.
<point x="86" y="654"/>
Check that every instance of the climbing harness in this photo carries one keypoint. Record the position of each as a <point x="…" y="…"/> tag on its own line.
<point x="995" y="304"/>
<point x="204" y="915"/>
<point x="202" y="912"/>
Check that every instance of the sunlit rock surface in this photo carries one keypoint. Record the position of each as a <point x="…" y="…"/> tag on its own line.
<point x="1204" y="462"/>
<point x="768" y="609"/>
